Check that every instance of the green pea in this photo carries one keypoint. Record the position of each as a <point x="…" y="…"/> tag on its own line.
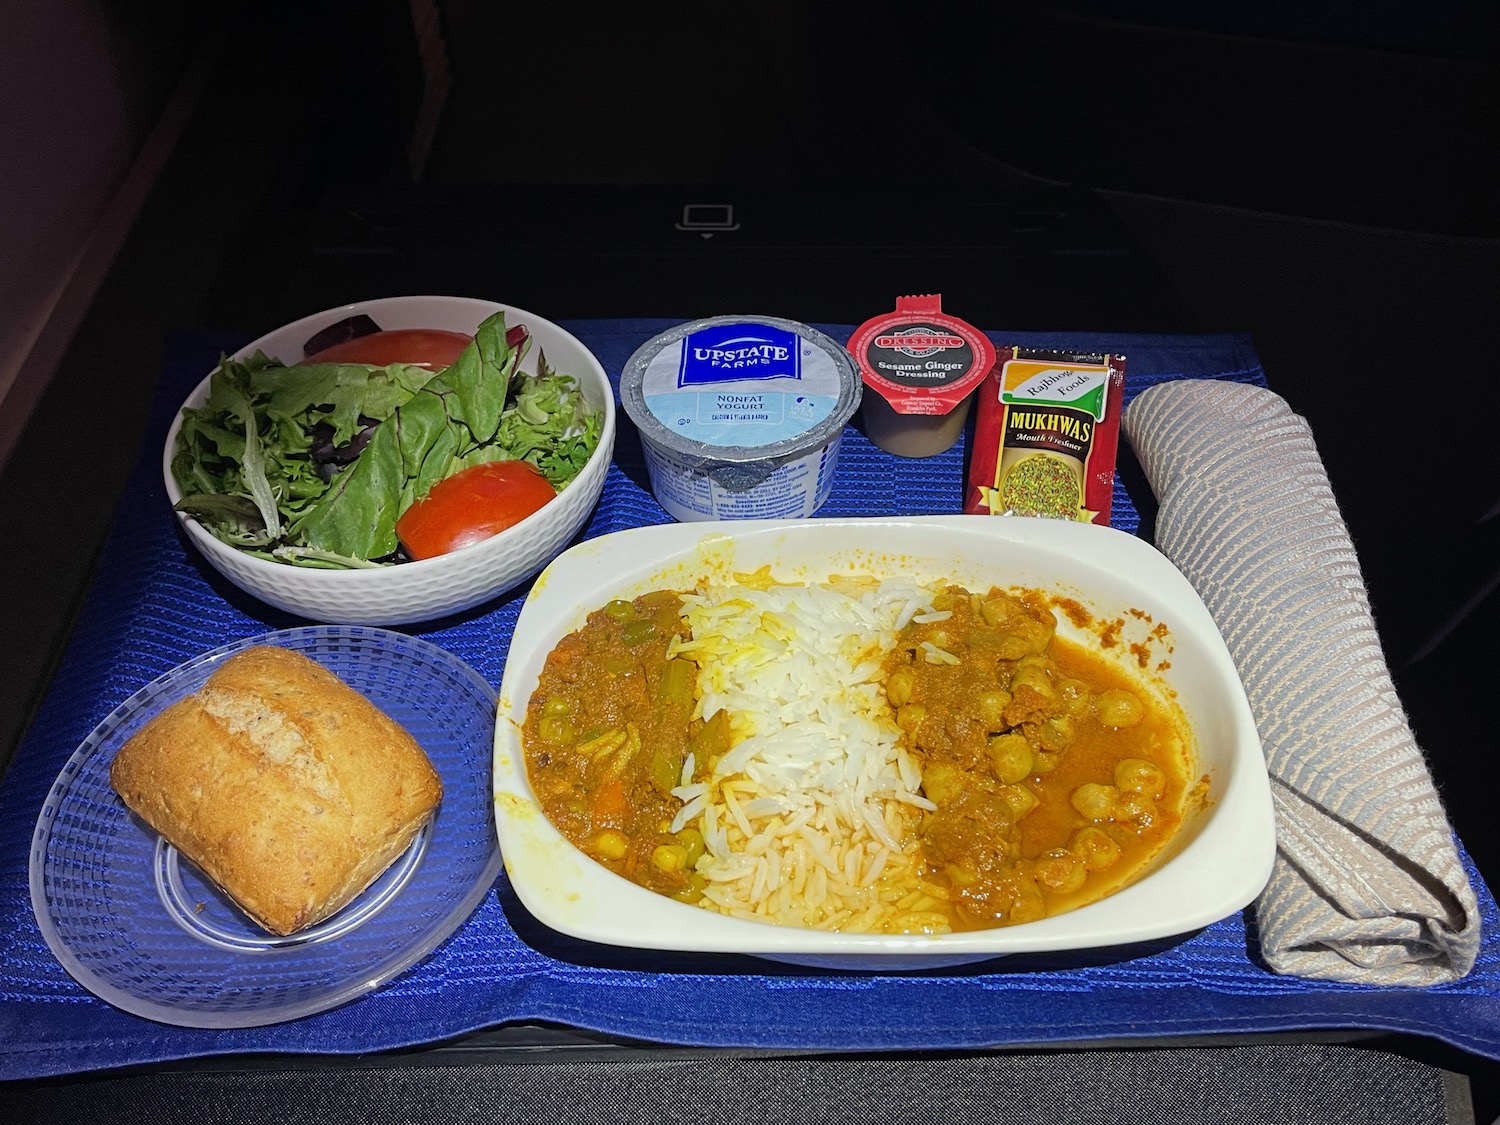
<point x="557" y="730"/>
<point x="692" y="840"/>
<point x="620" y="610"/>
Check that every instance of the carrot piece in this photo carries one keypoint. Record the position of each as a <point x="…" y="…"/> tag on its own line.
<point x="609" y="801"/>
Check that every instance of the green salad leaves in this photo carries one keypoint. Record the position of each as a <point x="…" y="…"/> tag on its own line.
<point x="313" y="464"/>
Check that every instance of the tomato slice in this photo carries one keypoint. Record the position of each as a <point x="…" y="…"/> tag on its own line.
<point x="472" y="505"/>
<point x="433" y="348"/>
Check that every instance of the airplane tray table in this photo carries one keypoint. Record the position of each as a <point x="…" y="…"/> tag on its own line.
<point x="154" y="604"/>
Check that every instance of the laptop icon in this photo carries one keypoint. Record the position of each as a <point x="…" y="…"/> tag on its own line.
<point x="708" y="217"/>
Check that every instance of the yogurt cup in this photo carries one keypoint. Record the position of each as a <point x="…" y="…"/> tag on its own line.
<point x="740" y="417"/>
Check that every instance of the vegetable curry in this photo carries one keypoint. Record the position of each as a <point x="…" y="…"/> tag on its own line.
<point x="1054" y="774"/>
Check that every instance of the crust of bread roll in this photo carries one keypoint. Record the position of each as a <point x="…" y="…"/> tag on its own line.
<point x="285" y="786"/>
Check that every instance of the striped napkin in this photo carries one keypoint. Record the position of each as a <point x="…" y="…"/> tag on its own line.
<point x="1368" y="885"/>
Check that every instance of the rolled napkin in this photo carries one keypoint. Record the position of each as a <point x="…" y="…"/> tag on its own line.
<point x="1367" y="885"/>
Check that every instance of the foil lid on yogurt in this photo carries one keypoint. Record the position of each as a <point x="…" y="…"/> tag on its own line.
<point x="737" y="389"/>
<point x="740" y="389"/>
<point x="725" y="402"/>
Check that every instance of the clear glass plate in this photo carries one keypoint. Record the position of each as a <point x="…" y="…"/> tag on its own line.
<point x="141" y="928"/>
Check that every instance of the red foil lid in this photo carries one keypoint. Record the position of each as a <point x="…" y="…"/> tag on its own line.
<point x="919" y="359"/>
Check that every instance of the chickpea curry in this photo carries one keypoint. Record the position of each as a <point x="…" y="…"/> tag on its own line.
<point x="1049" y="775"/>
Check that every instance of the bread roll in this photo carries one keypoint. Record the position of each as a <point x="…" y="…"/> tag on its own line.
<point x="285" y="786"/>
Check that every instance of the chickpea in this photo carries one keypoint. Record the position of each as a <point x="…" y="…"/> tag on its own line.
<point x="898" y="687"/>
<point x="961" y="876"/>
<point x="1011" y="757"/>
<point x="1075" y="697"/>
<point x="556" y="705"/>
<point x="1028" y="905"/>
<point x="1044" y="761"/>
<point x="943" y="784"/>
<point x="994" y="610"/>
<point x="1061" y="871"/>
<point x="1117" y="708"/>
<point x="910" y="717"/>
<point x="1095" y="801"/>
<point x="992" y="705"/>
<point x="1020" y="799"/>
<point x="1136" y="807"/>
<point x="1056" y="734"/>
<point x="1094" y="846"/>
<point x="1140" y="776"/>
<point x="1035" y="677"/>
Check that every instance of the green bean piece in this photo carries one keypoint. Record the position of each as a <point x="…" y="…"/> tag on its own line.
<point x="710" y="742"/>
<point x="665" y="771"/>
<point x="677" y="680"/>
<point x="638" y="632"/>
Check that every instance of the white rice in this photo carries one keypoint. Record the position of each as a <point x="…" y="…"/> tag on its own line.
<point x="807" y="818"/>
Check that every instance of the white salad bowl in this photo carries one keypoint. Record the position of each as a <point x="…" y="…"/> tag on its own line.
<point x="1218" y="861"/>
<point x="430" y="588"/>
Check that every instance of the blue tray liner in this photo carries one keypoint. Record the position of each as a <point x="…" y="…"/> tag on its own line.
<point x="153" y="604"/>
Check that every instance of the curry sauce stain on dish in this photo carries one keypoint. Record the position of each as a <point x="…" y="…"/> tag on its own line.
<point x="1004" y="773"/>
